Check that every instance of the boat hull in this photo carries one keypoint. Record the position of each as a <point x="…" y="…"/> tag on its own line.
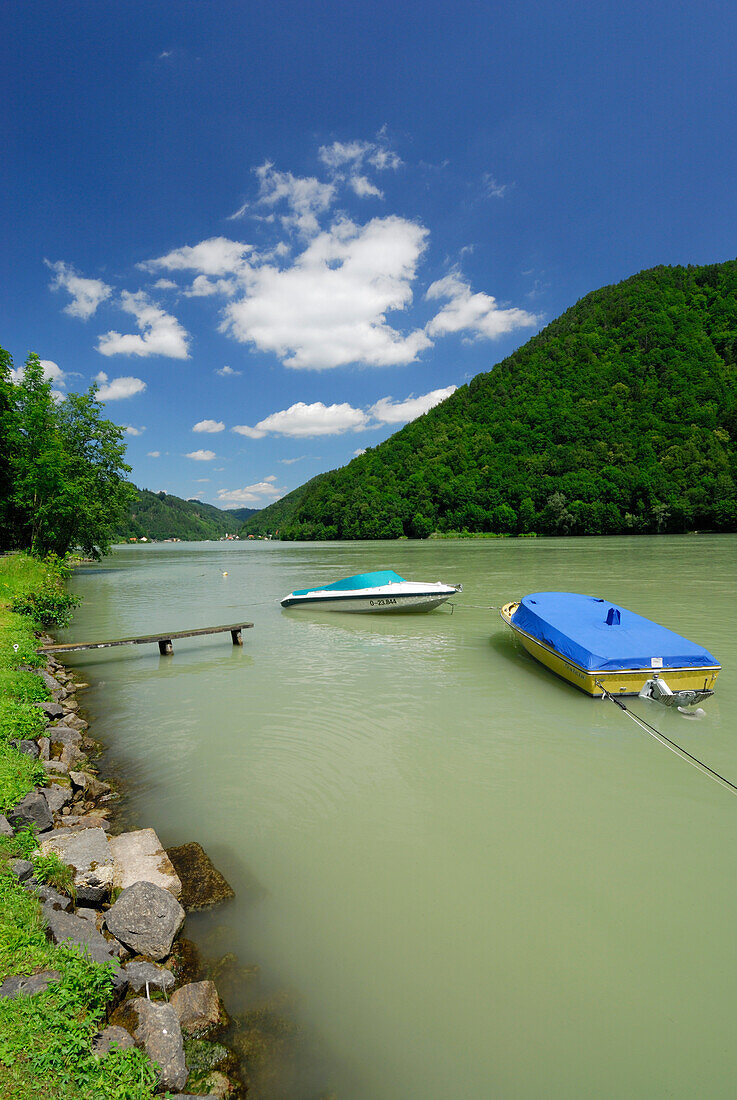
<point x="620" y="682"/>
<point x="377" y="604"/>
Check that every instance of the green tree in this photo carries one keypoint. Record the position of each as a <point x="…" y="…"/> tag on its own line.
<point x="67" y="469"/>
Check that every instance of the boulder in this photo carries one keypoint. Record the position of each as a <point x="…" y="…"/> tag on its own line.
<point x="27" y="985"/>
<point x="140" y="973"/>
<point x="61" y="736"/>
<point x="44" y="748"/>
<point x="86" y="821"/>
<point x="47" y="895"/>
<point x="33" y="810"/>
<point x="88" y="852"/>
<point x="146" y="919"/>
<point x="111" y="1038"/>
<point x="51" y="709"/>
<point x="139" y="857"/>
<point x="53" y="685"/>
<point x="70" y="705"/>
<point x="76" y="722"/>
<point x="68" y="928"/>
<point x="72" y="756"/>
<point x="6" y="828"/>
<point x="202" y="884"/>
<point x="90" y="784"/>
<point x="56" y="797"/>
<point x="158" y="1032"/>
<point x="28" y="748"/>
<point x="55" y="767"/>
<point x="199" y="1008"/>
<point x="21" y="868"/>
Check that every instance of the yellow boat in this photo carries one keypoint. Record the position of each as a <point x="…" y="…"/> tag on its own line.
<point x="603" y="649"/>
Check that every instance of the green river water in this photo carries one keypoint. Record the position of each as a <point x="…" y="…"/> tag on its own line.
<point x="458" y="876"/>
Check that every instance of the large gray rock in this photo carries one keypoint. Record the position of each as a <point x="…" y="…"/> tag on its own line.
<point x="6" y="829"/>
<point x="27" y="985"/>
<point x="202" y="884"/>
<point x="51" y="710"/>
<point x="72" y="756"/>
<point x="111" y="1038"/>
<point x="90" y="784"/>
<point x="88" y="852"/>
<point x="28" y="748"/>
<point x="44" y="748"/>
<point x="53" y="685"/>
<point x="146" y="919"/>
<point x="159" y="1033"/>
<point x="33" y="810"/>
<point x="140" y="857"/>
<point x="140" y="973"/>
<point x="56" y="796"/>
<point x="47" y="895"/>
<point x="198" y="1007"/>
<point x="61" y="736"/>
<point x="21" y="868"/>
<point x="68" y="928"/>
<point x="55" y="767"/>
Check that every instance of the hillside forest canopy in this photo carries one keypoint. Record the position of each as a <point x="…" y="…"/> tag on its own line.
<point x="618" y="417"/>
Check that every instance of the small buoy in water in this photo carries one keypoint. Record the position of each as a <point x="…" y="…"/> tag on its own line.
<point x="225" y="574"/>
<point x="697" y="714"/>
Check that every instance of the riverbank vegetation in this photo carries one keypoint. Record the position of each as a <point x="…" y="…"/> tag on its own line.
<point x="619" y="417"/>
<point x="62" y="469"/>
<point x="45" y="1039"/>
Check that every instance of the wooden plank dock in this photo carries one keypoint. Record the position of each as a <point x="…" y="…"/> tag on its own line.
<point x="164" y="640"/>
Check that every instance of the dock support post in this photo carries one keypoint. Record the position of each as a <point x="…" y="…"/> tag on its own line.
<point x="237" y="636"/>
<point x="165" y="647"/>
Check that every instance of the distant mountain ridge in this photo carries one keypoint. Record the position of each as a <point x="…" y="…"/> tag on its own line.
<point x="163" y="516"/>
<point x="618" y="417"/>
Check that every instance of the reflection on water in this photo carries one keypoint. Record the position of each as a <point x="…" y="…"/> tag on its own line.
<point x="470" y="879"/>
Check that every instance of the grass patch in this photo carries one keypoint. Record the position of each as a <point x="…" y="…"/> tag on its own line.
<point x="45" y="1040"/>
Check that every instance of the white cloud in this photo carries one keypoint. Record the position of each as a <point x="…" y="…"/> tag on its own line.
<point x="130" y="430"/>
<point x="217" y="256"/>
<point x="493" y="188"/>
<point x="227" y="372"/>
<point x="388" y="411"/>
<point x="202" y="287"/>
<point x="154" y="454"/>
<point x="291" y="461"/>
<point x="87" y="294"/>
<point x="162" y="333"/>
<point x="251" y="494"/>
<point x="165" y="284"/>
<point x="359" y="451"/>
<point x="309" y="420"/>
<point x="251" y="433"/>
<point x="114" y="389"/>
<point x="209" y="426"/>
<point x="477" y="314"/>
<point x="201" y="456"/>
<point x="305" y="197"/>
<point x="329" y="308"/>
<point x="364" y="188"/>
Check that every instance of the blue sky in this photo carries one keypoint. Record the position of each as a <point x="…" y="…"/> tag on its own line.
<point x="275" y="232"/>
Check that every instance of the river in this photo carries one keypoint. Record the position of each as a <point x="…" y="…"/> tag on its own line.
<point x="459" y="876"/>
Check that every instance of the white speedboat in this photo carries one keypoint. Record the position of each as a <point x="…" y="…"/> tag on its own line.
<point x="380" y="592"/>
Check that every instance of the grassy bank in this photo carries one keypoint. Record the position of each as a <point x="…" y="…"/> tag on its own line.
<point x="45" y="1039"/>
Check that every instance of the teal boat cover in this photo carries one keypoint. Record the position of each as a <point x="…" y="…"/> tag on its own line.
<point x="361" y="580"/>
<point x="599" y="636"/>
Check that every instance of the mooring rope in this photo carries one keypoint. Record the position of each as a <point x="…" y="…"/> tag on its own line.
<point x="683" y="753"/>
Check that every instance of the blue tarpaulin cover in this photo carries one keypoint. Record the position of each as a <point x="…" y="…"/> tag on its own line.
<point x="582" y="629"/>
<point x="361" y="580"/>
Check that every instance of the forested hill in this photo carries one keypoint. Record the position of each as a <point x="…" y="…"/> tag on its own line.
<point x="161" y="516"/>
<point x="620" y="416"/>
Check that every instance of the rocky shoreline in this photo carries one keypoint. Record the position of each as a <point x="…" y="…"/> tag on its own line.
<point x="127" y="907"/>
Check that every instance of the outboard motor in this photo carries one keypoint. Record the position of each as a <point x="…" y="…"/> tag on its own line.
<point x="657" y="689"/>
